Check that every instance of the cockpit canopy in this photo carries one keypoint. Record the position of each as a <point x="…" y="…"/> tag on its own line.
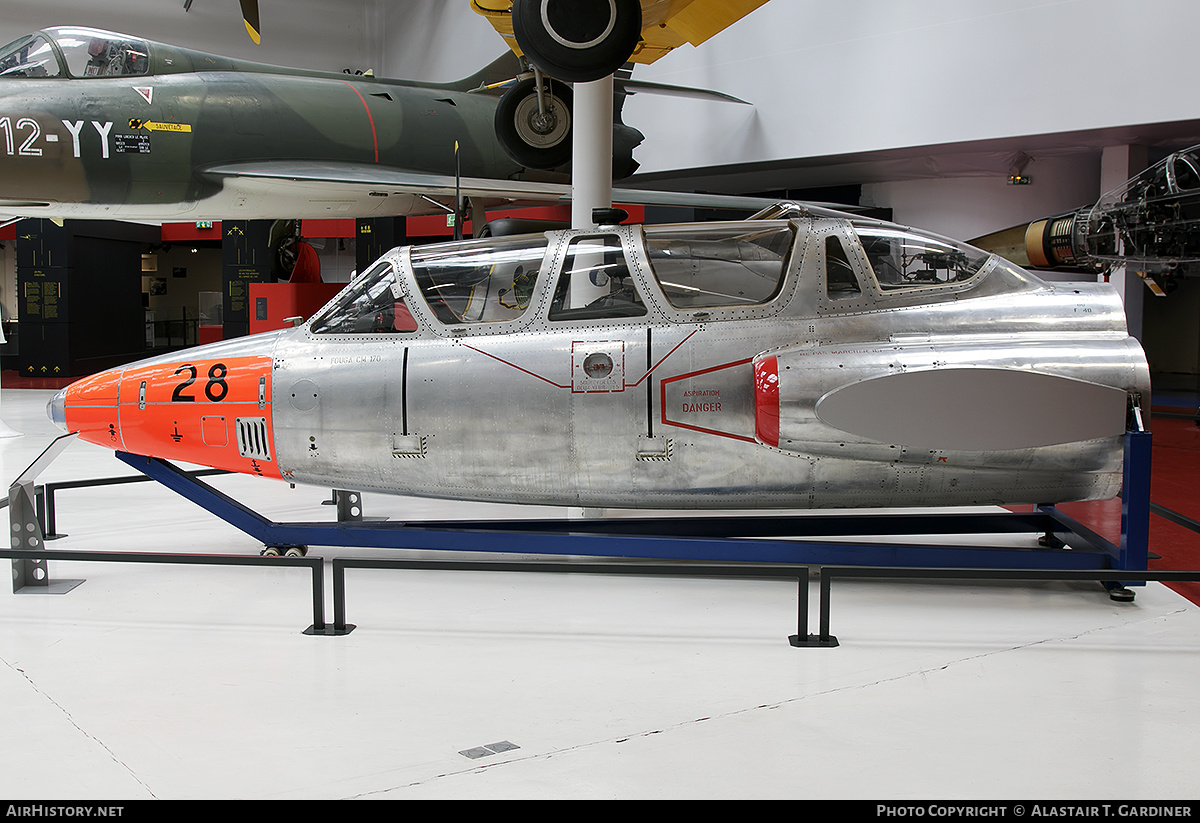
<point x="717" y="271"/>
<point x="68" y="51"/>
<point x="902" y="258"/>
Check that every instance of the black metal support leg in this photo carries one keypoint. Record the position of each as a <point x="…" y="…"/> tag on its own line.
<point x="25" y="519"/>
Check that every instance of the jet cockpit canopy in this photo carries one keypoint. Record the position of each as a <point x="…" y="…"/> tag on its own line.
<point x="71" y="51"/>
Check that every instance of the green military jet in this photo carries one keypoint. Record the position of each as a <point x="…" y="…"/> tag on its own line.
<point x="100" y="125"/>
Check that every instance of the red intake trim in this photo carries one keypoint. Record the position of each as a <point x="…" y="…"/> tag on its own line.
<point x="766" y="401"/>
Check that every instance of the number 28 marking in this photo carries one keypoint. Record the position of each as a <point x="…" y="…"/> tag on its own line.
<point x="215" y="389"/>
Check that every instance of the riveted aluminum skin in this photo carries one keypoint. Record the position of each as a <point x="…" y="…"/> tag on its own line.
<point x="507" y="412"/>
<point x="767" y="363"/>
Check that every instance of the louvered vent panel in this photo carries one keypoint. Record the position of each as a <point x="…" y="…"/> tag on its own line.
<point x="252" y="438"/>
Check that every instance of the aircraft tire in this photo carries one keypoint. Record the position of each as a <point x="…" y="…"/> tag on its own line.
<point x="580" y="41"/>
<point x="530" y="143"/>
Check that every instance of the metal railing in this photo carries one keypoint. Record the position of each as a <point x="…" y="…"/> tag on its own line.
<point x="315" y="564"/>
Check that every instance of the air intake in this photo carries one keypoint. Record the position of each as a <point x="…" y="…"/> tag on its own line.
<point x="252" y="438"/>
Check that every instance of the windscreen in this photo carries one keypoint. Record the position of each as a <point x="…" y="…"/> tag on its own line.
<point x="369" y="305"/>
<point x="30" y="56"/>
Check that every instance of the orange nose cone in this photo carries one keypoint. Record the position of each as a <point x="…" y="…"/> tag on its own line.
<point x="89" y="406"/>
<point x="211" y="412"/>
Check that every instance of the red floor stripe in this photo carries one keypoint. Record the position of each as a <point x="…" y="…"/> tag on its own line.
<point x="1175" y="465"/>
<point x="12" y="380"/>
<point x="1174" y="482"/>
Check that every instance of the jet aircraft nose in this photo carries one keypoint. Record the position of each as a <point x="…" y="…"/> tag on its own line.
<point x="56" y="410"/>
<point x="212" y="408"/>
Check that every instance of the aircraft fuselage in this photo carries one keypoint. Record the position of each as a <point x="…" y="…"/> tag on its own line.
<point x="122" y="150"/>
<point x="758" y="364"/>
<point x="145" y="146"/>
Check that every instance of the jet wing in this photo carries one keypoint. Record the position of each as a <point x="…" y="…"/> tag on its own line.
<point x="630" y="86"/>
<point x="331" y="190"/>
<point x="666" y="24"/>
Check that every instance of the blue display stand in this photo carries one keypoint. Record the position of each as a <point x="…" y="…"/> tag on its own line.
<point x="800" y="539"/>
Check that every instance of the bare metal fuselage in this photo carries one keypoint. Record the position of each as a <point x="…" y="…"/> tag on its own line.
<point x="997" y="389"/>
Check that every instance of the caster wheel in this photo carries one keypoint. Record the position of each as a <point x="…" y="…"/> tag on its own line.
<point x="1119" y="593"/>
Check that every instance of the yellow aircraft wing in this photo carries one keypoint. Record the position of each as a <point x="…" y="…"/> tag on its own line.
<point x="666" y="24"/>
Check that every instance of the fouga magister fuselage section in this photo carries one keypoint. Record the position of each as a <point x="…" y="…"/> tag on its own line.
<point x="803" y="359"/>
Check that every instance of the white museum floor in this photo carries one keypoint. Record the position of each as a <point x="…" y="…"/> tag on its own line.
<point x="178" y="682"/>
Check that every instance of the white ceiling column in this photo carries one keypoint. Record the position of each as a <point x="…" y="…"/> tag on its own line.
<point x="591" y="136"/>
